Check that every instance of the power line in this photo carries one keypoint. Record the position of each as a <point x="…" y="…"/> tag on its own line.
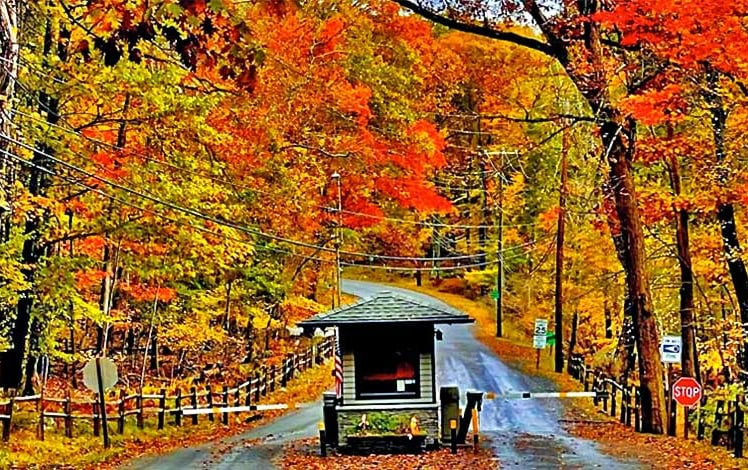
<point x="230" y="183"/>
<point x="242" y="186"/>
<point x="226" y="223"/>
<point x="254" y="246"/>
<point x="226" y="236"/>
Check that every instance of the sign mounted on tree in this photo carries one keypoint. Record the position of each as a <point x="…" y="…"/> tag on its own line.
<point x="539" y="338"/>
<point x="686" y="391"/>
<point x="670" y="349"/>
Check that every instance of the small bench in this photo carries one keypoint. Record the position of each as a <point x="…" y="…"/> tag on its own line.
<point x="385" y="444"/>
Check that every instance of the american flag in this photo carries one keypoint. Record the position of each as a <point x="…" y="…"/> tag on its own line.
<point x="338" y="368"/>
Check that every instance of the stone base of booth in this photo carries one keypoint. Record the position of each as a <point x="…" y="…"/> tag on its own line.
<point x="390" y="425"/>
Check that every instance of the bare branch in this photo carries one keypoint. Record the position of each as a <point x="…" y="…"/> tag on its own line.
<point x="550" y="50"/>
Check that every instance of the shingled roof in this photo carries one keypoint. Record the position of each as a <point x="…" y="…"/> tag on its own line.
<point x="386" y="307"/>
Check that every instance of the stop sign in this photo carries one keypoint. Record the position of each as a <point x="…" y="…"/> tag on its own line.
<point x="686" y="391"/>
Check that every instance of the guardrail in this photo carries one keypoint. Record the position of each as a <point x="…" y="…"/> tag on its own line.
<point x="623" y="401"/>
<point x="212" y="401"/>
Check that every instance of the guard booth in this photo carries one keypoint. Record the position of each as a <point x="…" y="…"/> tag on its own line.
<point x="388" y="367"/>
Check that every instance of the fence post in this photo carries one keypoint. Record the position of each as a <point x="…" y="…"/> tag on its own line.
<point x="586" y="381"/>
<point x="225" y="415"/>
<point x="257" y="387"/>
<point x="161" y="408"/>
<point x="613" y="393"/>
<point x="193" y="402"/>
<point x="237" y="399"/>
<point x="718" y="413"/>
<point x="273" y="376"/>
<point x="7" y="422"/>
<point x="672" y="415"/>
<point x="605" y="385"/>
<point x="40" y="409"/>
<point x="264" y="381"/>
<point x="738" y="427"/>
<point x="626" y="419"/>
<point x="291" y="366"/>
<point x="95" y="408"/>
<point x="248" y="396"/>
<point x="67" y="410"/>
<point x="178" y="408"/>
<point x="121" y="417"/>
<point x="141" y="409"/>
<point x="595" y="386"/>
<point x="731" y="422"/>
<point x="637" y="410"/>
<point x="284" y="373"/>
<point x="209" y="391"/>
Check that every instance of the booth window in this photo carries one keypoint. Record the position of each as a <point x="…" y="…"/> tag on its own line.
<point x="392" y="374"/>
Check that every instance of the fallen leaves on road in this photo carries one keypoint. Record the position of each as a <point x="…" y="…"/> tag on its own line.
<point x="305" y="454"/>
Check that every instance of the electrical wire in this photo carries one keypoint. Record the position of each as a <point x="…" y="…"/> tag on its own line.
<point x="258" y="191"/>
<point x="216" y="220"/>
<point x="171" y="219"/>
<point x="254" y="246"/>
<point x="238" y="185"/>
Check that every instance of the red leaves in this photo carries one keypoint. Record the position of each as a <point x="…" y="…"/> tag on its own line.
<point x="330" y="35"/>
<point x="684" y="32"/>
<point x="354" y="99"/>
<point x="657" y="106"/>
<point x="146" y="293"/>
<point x="87" y="279"/>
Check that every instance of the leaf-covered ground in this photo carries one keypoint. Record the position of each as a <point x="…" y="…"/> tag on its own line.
<point x="305" y="454"/>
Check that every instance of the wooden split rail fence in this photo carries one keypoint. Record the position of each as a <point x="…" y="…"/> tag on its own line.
<point x="181" y="404"/>
<point x="623" y="401"/>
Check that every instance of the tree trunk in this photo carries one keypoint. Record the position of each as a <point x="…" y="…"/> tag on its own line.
<point x="154" y="351"/>
<point x="11" y="360"/>
<point x="689" y="353"/>
<point x="589" y="75"/>
<point x="645" y="327"/>
<point x="104" y="292"/>
<point x="726" y="212"/>
<point x="227" y="309"/>
<point x="608" y="320"/>
<point x="572" y="339"/>
<point x="559" y="307"/>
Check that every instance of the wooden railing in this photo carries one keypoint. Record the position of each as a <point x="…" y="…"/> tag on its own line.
<point x="122" y="404"/>
<point x="624" y="403"/>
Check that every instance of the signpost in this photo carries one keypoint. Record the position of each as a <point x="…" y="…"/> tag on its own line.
<point x="687" y="391"/>
<point x="98" y="375"/>
<point x="539" y="338"/>
<point x="670" y="349"/>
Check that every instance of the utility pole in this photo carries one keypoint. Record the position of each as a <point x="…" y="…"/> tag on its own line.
<point x="500" y="250"/>
<point x="559" y="357"/>
<point x="338" y="242"/>
<point x="11" y="359"/>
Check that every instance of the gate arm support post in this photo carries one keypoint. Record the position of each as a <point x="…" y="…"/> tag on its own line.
<point x="474" y="401"/>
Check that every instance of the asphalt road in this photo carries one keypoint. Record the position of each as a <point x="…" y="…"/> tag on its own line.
<point x="526" y="434"/>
